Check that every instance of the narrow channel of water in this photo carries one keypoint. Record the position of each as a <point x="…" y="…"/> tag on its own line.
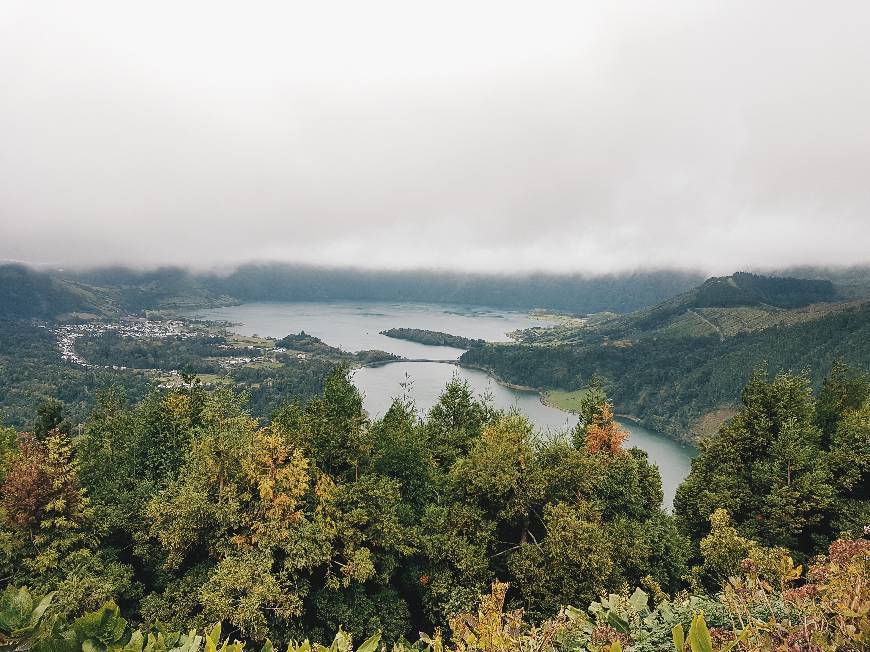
<point x="357" y="326"/>
<point x="380" y="385"/>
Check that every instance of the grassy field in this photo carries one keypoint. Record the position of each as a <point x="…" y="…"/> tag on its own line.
<point x="562" y="400"/>
<point x="250" y="340"/>
<point x="265" y="364"/>
<point x="558" y="317"/>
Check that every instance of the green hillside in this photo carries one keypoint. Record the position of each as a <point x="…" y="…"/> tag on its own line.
<point x="120" y="290"/>
<point x="25" y="293"/>
<point x="676" y="366"/>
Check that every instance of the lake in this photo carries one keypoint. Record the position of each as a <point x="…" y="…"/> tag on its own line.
<point x="356" y="326"/>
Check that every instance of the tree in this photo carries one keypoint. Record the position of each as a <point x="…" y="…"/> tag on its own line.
<point x="603" y="434"/>
<point x="8" y="447"/>
<point x="723" y="549"/>
<point x="456" y="541"/>
<point x="849" y="463"/>
<point x="596" y="430"/>
<point x="331" y="429"/>
<point x="767" y="468"/>
<point x="592" y="402"/>
<point x="41" y="480"/>
<point x="842" y="391"/>
<point x="53" y="536"/>
<point x="49" y="417"/>
<point x="400" y="451"/>
<point x="570" y="566"/>
<point x="454" y="421"/>
<point x="501" y="473"/>
<point x="195" y="512"/>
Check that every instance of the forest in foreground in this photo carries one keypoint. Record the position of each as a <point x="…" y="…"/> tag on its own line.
<point x="180" y="521"/>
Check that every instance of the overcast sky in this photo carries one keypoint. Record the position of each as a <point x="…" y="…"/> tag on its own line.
<point x="476" y="135"/>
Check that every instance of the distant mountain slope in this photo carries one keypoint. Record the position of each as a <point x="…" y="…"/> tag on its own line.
<point x="678" y="362"/>
<point x="660" y="299"/>
<point x="853" y="281"/>
<point x="125" y="290"/>
<point x="26" y="293"/>
<point x="745" y="289"/>
<point x="118" y="290"/>
<point x="573" y="293"/>
<point x="740" y="295"/>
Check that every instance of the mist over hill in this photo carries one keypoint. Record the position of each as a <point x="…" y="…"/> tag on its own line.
<point x="44" y="293"/>
<point x="26" y="293"/>
<point x="118" y="290"/>
<point x="571" y="293"/>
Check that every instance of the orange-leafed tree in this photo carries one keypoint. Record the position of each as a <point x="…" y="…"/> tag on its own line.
<point x="41" y="483"/>
<point x="596" y="431"/>
<point x="603" y="433"/>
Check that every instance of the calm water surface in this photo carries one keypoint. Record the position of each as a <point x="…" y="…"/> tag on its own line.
<point x="357" y="326"/>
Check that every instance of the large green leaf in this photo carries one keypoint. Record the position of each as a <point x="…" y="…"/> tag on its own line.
<point x="638" y="600"/>
<point x="699" y="635"/>
<point x="100" y="629"/>
<point x="189" y="643"/>
<point x="16" y="607"/>
<point x="370" y="644"/>
<point x="39" y="611"/>
<point x="679" y="638"/>
<point x="618" y="623"/>
<point x="136" y="642"/>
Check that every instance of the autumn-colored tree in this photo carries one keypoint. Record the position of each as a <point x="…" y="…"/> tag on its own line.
<point x="41" y="479"/>
<point x="51" y="538"/>
<point x="603" y="434"/>
<point x="279" y="475"/>
<point x="596" y="431"/>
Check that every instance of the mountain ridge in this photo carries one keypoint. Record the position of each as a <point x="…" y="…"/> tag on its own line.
<point x="673" y="365"/>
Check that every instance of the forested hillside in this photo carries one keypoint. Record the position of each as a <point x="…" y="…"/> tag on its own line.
<point x="673" y="364"/>
<point x="571" y="293"/>
<point x="25" y="293"/>
<point x="181" y="511"/>
<point x="31" y="371"/>
<point x="107" y="292"/>
<point x="118" y="290"/>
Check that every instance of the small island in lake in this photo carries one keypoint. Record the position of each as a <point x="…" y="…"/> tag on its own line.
<point x="308" y="344"/>
<point x="432" y="338"/>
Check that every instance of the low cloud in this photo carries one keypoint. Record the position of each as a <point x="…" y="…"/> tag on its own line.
<point x="485" y="136"/>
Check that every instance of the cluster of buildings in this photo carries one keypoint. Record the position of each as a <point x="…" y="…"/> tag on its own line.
<point x="142" y="328"/>
<point x="127" y="327"/>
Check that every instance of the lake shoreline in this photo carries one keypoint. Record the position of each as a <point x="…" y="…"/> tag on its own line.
<point x="542" y="393"/>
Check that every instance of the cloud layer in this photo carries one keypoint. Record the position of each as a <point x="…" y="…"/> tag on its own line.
<point x="479" y="136"/>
